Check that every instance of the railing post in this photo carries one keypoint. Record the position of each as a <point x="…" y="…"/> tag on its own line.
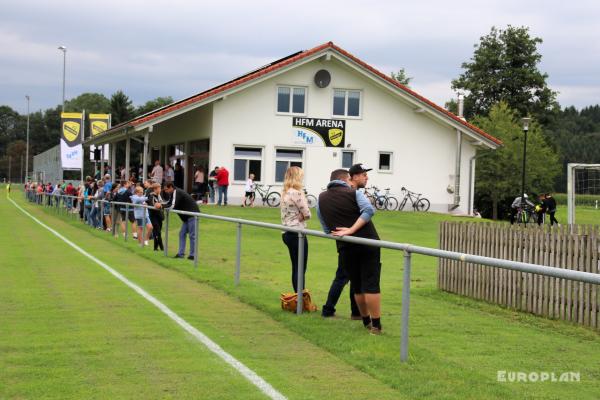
<point x="143" y="238"/>
<point x="101" y="205"/>
<point x="239" y="254"/>
<point x="195" y="242"/>
<point x="405" y="307"/>
<point x="166" y="244"/>
<point x="300" y="272"/>
<point x="113" y="220"/>
<point x="126" y="221"/>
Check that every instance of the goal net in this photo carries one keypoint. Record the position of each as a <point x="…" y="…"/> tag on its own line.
<point x="583" y="188"/>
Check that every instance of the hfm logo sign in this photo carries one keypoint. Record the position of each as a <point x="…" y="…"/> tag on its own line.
<point x="305" y="137"/>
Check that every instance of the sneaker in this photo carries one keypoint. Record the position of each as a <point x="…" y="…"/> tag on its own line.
<point x="190" y="257"/>
<point x="375" y="331"/>
<point x="145" y="243"/>
<point x="135" y="235"/>
<point x="178" y="256"/>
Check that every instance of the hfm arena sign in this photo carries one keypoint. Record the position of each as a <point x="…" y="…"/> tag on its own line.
<point x="319" y="132"/>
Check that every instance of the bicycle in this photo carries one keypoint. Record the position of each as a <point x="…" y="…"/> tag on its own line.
<point x="271" y="198"/>
<point x="312" y="200"/>
<point x="526" y="214"/>
<point x="418" y="203"/>
<point x="382" y="201"/>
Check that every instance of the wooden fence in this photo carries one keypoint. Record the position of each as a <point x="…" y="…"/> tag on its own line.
<point x="573" y="248"/>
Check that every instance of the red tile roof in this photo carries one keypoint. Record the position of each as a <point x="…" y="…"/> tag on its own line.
<point x="288" y="61"/>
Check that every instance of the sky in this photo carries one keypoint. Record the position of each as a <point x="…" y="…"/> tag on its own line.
<point x="181" y="47"/>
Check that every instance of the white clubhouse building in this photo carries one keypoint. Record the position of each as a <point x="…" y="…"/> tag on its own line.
<point x="320" y="109"/>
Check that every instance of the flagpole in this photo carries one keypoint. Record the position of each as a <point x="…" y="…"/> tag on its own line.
<point x="82" y="148"/>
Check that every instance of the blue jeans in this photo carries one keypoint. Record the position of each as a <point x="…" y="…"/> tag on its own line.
<point x="337" y="286"/>
<point x="93" y="217"/>
<point x="87" y="210"/>
<point x="222" y="193"/>
<point x="211" y="190"/>
<point x="187" y="228"/>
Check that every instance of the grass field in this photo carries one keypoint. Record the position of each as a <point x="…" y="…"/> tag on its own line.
<point x="73" y="331"/>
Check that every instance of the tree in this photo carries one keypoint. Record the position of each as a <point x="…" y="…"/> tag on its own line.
<point x="152" y="105"/>
<point x="121" y="108"/>
<point x="498" y="173"/>
<point x="401" y="77"/>
<point x="92" y="103"/>
<point x="504" y="67"/>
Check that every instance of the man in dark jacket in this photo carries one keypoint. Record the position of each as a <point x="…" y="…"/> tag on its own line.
<point x="550" y="205"/>
<point x="182" y="201"/>
<point x="344" y="211"/>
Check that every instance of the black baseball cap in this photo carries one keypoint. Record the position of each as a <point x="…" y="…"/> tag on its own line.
<point x="358" y="169"/>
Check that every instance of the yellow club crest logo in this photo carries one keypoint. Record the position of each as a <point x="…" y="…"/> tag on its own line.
<point x="336" y="136"/>
<point x="71" y="130"/>
<point x="98" y="127"/>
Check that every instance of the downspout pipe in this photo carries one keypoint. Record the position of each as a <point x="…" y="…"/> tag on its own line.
<point x="456" y="201"/>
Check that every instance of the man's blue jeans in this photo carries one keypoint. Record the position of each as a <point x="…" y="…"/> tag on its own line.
<point x="337" y="286"/>
<point x="222" y="194"/>
<point x="187" y="228"/>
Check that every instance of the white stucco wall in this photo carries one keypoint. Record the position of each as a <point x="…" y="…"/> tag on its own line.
<point x="424" y="149"/>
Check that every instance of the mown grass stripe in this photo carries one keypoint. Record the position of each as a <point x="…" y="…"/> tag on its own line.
<point x="246" y="372"/>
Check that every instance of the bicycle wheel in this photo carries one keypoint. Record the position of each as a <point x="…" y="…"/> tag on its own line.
<point x="380" y="203"/>
<point x="273" y="199"/>
<point x="422" y="205"/>
<point x="312" y="201"/>
<point x="391" y="204"/>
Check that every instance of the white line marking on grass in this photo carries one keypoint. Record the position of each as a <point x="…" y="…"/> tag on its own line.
<point x="246" y="372"/>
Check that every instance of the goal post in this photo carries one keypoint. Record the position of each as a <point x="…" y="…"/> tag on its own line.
<point x="573" y="186"/>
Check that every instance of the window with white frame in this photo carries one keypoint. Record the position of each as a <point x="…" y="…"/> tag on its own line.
<point x="346" y="103"/>
<point x="246" y="161"/>
<point x="291" y="100"/>
<point x="347" y="158"/>
<point x="385" y="160"/>
<point x="285" y="158"/>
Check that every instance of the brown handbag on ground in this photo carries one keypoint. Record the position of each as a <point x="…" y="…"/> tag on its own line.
<point x="289" y="301"/>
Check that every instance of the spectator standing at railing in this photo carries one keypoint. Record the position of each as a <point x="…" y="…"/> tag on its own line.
<point x="222" y="184"/>
<point x="182" y="201"/>
<point x="294" y="213"/>
<point x="71" y="192"/>
<point x="56" y="193"/>
<point x="156" y="215"/>
<point x="141" y="215"/>
<point x="358" y="181"/>
<point x="48" y="191"/>
<point x="40" y="193"/>
<point x="344" y="211"/>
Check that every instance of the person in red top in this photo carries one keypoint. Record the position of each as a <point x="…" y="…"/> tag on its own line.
<point x="70" y="191"/>
<point x="223" y="184"/>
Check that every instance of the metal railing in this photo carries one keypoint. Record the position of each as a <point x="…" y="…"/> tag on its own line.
<point x="407" y="249"/>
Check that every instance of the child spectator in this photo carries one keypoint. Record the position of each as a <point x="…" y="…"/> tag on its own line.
<point x="141" y="215"/>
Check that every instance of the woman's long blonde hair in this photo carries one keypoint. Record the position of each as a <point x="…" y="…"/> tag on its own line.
<point x="293" y="179"/>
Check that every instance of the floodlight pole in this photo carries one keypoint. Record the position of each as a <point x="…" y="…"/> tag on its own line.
<point x="525" y="130"/>
<point x="64" y="50"/>
<point x="27" y="148"/>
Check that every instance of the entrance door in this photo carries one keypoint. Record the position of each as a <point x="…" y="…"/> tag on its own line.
<point x="199" y="158"/>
